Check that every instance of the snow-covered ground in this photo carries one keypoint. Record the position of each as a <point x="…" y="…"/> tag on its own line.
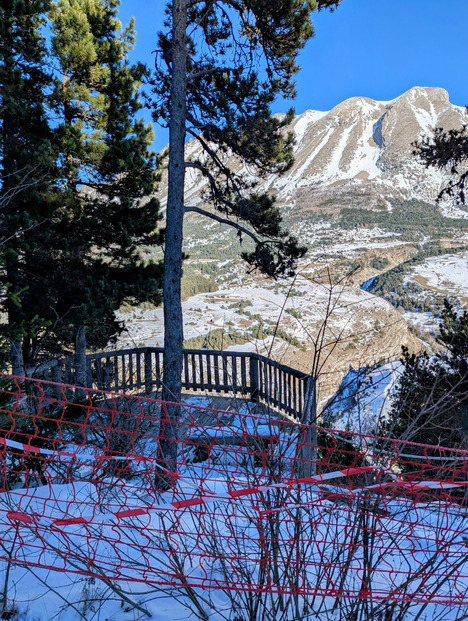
<point x="447" y="274"/>
<point x="423" y="322"/>
<point x="344" y="241"/>
<point x="296" y="307"/>
<point x="127" y="553"/>
<point x="111" y="549"/>
<point x="364" y="398"/>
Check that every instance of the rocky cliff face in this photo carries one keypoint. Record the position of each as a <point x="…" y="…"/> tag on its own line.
<point x="358" y="154"/>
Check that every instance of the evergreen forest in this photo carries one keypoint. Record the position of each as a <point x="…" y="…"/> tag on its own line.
<point x="77" y="180"/>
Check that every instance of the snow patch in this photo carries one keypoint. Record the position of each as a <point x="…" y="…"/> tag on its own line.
<point x="303" y="122"/>
<point x="333" y="167"/>
<point x="298" y="175"/>
<point x="427" y="120"/>
<point x="447" y="273"/>
<point x="364" y="398"/>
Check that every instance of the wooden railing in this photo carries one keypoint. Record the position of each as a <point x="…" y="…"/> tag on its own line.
<point x="245" y="374"/>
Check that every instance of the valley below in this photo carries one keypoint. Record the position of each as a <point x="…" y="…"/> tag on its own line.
<point x="382" y="253"/>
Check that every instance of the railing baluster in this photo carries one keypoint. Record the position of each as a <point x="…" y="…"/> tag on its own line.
<point x="253" y="373"/>
<point x="201" y="374"/>
<point x="278" y="386"/>
<point x="138" y="363"/>
<point x="303" y="392"/>
<point x="277" y="380"/>
<point x="264" y="386"/>
<point x="299" y="396"/>
<point x="99" y="376"/>
<point x="271" y="382"/>
<point x="271" y="387"/>
<point x="243" y="375"/>
<point x="216" y="372"/>
<point x="106" y="379"/>
<point x="194" y="373"/>
<point x="185" y="370"/>
<point x="225" y="372"/>
<point x="294" y="394"/>
<point x="158" y="368"/>
<point x="275" y="389"/>
<point x="284" y="390"/>
<point x="130" y="371"/>
<point x="124" y="373"/>
<point x="209" y="384"/>
<point x="116" y="373"/>
<point x="234" y="373"/>
<point x="148" y="373"/>
<point x="141" y="370"/>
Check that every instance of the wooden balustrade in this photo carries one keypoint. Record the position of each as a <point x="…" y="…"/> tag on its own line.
<point x="243" y="374"/>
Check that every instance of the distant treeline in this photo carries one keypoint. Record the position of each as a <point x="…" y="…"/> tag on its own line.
<point x="223" y="243"/>
<point x="411" y="220"/>
<point x="221" y="338"/>
<point x="198" y="279"/>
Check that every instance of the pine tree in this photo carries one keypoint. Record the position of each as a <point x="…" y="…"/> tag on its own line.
<point x="431" y="399"/>
<point x="448" y="150"/>
<point x="107" y="176"/>
<point x="219" y="67"/>
<point x="26" y="175"/>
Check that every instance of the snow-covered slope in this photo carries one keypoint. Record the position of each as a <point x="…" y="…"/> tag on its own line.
<point x="360" y="149"/>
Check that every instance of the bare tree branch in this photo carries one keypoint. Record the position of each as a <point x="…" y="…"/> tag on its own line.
<point x="221" y="220"/>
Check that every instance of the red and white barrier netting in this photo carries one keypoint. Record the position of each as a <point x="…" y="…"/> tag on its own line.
<point x="258" y="504"/>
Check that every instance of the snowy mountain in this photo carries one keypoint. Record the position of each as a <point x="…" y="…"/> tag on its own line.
<point x="365" y="143"/>
<point x="358" y="154"/>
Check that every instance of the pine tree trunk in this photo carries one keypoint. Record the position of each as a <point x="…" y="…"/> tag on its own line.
<point x="80" y="357"/>
<point x="173" y="324"/>
<point x="16" y="356"/>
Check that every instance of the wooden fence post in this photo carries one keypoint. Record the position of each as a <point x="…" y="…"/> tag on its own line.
<point x="80" y="358"/>
<point x="253" y="379"/>
<point x="306" y="464"/>
<point x="148" y="373"/>
<point x="56" y="372"/>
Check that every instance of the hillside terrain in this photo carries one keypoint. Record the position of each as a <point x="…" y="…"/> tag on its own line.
<point x="382" y="254"/>
<point x="352" y="159"/>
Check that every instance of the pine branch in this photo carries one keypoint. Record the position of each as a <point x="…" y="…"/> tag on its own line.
<point x="221" y="220"/>
<point x="21" y="232"/>
<point x="203" y="74"/>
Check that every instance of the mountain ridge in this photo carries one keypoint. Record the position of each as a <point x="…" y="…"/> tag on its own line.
<point x="360" y="151"/>
<point x="362" y="143"/>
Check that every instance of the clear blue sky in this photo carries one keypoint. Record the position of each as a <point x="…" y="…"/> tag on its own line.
<point x="373" y="48"/>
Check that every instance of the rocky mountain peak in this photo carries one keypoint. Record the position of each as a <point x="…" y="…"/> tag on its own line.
<point x="366" y="146"/>
<point x="361" y="148"/>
